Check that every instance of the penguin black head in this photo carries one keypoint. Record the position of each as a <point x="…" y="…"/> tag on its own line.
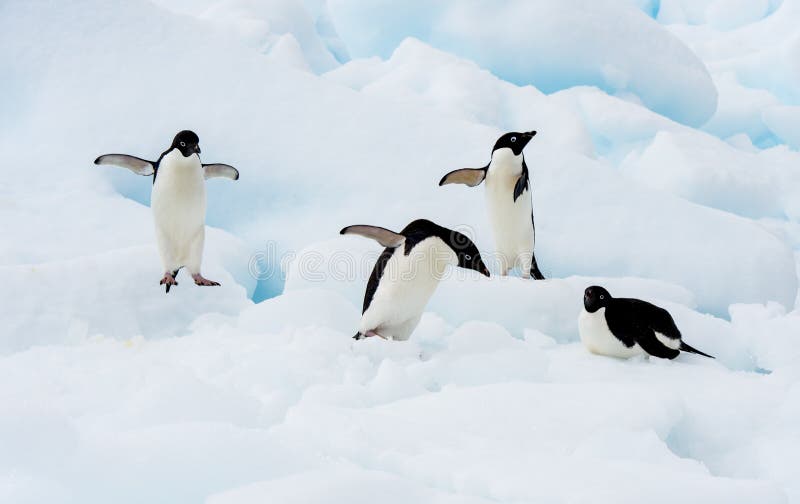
<point x="595" y="297"/>
<point x="187" y="142"/>
<point x="515" y="141"/>
<point x="467" y="253"/>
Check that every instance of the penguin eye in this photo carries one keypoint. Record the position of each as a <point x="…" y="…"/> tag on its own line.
<point x="183" y="144"/>
<point x="467" y="257"/>
<point x="602" y="296"/>
<point x="513" y="139"/>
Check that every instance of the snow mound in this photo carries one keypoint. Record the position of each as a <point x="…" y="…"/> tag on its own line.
<point x="718" y="271"/>
<point x="710" y="172"/>
<point x="719" y="14"/>
<point x="115" y="294"/>
<point x="455" y="87"/>
<point x="784" y="121"/>
<point x="113" y="391"/>
<point x="521" y="41"/>
<point x="763" y="54"/>
<point x="268" y="26"/>
<point x="302" y="404"/>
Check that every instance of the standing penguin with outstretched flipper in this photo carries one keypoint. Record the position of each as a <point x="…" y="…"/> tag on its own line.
<point x="508" y="200"/>
<point x="407" y="273"/>
<point x="178" y="202"/>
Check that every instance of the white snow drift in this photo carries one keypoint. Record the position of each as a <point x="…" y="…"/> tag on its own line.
<point x="113" y="391"/>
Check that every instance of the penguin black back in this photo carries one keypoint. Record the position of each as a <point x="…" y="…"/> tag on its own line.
<point x="466" y="251"/>
<point x="633" y="321"/>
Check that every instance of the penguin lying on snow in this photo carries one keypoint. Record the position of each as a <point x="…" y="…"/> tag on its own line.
<point x="407" y="273"/>
<point x="623" y="328"/>
<point x="510" y="209"/>
<point x="178" y="202"/>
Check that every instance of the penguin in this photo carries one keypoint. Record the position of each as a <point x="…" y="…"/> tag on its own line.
<point x="624" y="328"/>
<point x="178" y="202"/>
<point x="407" y="273"/>
<point x="510" y="208"/>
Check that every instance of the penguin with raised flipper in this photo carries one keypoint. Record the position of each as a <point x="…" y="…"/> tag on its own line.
<point x="508" y="202"/>
<point x="408" y="272"/>
<point x="621" y="327"/>
<point x="178" y="201"/>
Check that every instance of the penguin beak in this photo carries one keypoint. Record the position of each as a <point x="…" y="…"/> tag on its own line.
<point x="197" y="149"/>
<point x="526" y="137"/>
<point x="481" y="268"/>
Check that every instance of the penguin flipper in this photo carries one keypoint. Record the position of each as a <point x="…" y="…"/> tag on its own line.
<point x="523" y="182"/>
<point x="383" y="236"/>
<point x="220" y="170"/>
<point x="137" y="165"/>
<point x="650" y="344"/>
<point x="467" y="176"/>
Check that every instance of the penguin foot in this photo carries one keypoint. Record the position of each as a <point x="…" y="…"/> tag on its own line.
<point x="168" y="280"/>
<point x="200" y="280"/>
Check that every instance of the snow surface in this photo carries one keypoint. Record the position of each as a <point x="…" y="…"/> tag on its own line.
<point x="665" y="167"/>
<point x="611" y="45"/>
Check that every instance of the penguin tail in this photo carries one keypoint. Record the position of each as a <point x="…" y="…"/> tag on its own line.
<point x="687" y="348"/>
<point x="358" y="336"/>
<point x="535" y="273"/>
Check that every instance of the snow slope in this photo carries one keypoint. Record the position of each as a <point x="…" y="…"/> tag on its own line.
<point x="665" y="168"/>
<point x="523" y="42"/>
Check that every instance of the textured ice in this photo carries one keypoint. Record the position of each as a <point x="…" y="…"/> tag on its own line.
<point x="522" y="41"/>
<point x="113" y="391"/>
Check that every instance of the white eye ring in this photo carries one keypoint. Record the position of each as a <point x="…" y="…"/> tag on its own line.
<point x="183" y="144"/>
<point x="513" y="139"/>
<point x="602" y="296"/>
<point x="467" y="257"/>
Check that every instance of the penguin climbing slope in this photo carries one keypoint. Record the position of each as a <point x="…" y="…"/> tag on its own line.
<point x="619" y="327"/>
<point x="178" y="202"/>
<point x="508" y="201"/>
<point x="407" y="273"/>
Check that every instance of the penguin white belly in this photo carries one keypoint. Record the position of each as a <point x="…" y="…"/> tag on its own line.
<point x="405" y="287"/>
<point x="598" y="338"/>
<point x="510" y="220"/>
<point x="179" y="209"/>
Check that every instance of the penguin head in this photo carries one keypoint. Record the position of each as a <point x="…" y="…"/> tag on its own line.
<point x="595" y="297"/>
<point x="187" y="142"/>
<point x="515" y="141"/>
<point x="467" y="253"/>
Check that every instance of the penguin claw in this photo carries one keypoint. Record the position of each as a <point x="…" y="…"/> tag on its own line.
<point x="203" y="282"/>
<point x="168" y="280"/>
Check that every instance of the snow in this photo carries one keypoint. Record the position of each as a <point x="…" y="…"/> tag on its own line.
<point x="665" y="168"/>
<point x="784" y="121"/>
<point x="707" y="171"/>
<point x="522" y="41"/>
<point x="419" y="73"/>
